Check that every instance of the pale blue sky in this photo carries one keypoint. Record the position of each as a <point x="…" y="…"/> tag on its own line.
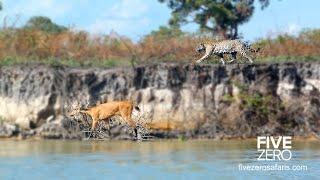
<point x="135" y="18"/>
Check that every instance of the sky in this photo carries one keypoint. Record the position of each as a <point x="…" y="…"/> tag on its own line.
<point x="135" y="18"/>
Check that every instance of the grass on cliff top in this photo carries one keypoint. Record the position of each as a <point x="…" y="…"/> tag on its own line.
<point x="80" y="49"/>
<point x="110" y="63"/>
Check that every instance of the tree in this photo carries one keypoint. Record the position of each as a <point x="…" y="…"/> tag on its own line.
<point x="167" y="32"/>
<point x="44" y="24"/>
<point x="221" y="17"/>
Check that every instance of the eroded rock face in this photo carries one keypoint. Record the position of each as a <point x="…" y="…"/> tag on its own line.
<point x="29" y="95"/>
<point x="8" y="130"/>
<point x="196" y="101"/>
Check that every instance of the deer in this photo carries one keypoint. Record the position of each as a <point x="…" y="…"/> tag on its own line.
<point x="104" y="112"/>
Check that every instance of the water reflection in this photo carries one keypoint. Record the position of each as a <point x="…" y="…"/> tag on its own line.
<point x="21" y="148"/>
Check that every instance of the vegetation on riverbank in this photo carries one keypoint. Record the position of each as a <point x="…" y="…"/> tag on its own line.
<point x="42" y="41"/>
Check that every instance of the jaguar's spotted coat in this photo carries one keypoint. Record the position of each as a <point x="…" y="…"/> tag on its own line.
<point x="225" y="47"/>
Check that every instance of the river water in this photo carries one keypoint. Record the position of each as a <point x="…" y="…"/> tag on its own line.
<point x="169" y="159"/>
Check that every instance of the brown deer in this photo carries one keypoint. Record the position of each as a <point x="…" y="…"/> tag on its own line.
<point x="103" y="112"/>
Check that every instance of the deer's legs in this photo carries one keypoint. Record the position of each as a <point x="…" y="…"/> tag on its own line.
<point x="94" y="124"/>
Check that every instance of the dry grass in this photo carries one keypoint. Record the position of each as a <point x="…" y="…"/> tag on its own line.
<point x="306" y="46"/>
<point x="79" y="48"/>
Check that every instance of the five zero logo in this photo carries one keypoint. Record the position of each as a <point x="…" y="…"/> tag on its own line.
<point x="272" y="149"/>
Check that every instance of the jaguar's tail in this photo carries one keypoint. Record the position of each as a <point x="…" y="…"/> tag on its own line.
<point x="255" y="50"/>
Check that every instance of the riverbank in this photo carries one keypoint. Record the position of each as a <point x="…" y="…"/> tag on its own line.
<point x="299" y="139"/>
<point x="181" y="101"/>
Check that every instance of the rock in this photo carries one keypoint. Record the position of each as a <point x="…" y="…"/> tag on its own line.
<point x="121" y="132"/>
<point x="27" y="134"/>
<point x="8" y="130"/>
<point x="55" y="130"/>
<point x="51" y="131"/>
<point x="50" y="119"/>
<point x="24" y="123"/>
<point x="204" y="101"/>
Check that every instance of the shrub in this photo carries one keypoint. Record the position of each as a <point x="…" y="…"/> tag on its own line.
<point x="78" y="48"/>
